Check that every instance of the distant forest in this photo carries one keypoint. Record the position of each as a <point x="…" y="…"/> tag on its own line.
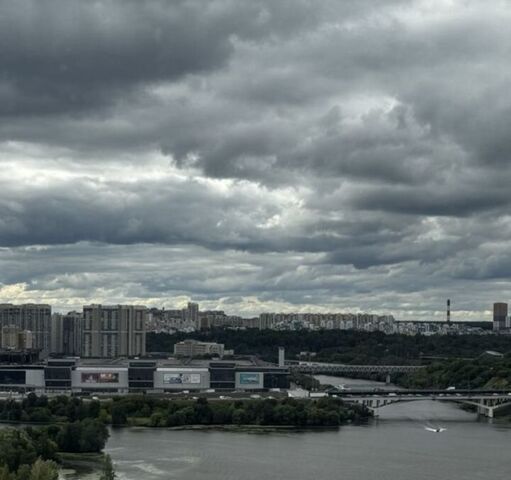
<point x="483" y="372"/>
<point x="342" y="346"/>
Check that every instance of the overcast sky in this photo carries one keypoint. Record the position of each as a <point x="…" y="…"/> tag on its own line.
<point x="259" y="155"/>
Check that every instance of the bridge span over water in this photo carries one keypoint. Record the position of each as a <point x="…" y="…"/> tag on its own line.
<point x="486" y="401"/>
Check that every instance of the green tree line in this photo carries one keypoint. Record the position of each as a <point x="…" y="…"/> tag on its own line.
<point x="24" y="457"/>
<point x="482" y="372"/>
<point x="33" y="453"/>
<point x="341" y="346"/>
<point x="270" y="412"/>
<point x="324" y="412"/>
<point x="79" y="425"/>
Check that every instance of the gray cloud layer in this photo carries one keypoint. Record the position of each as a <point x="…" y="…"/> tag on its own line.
<point x="291" y="154"/>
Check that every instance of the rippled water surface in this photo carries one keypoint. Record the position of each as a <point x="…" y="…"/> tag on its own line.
<point x="396" y="446"/>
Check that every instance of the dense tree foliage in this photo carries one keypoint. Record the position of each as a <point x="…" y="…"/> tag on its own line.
<point x="118" y="414"/>
<point x="289" y="412"/>
<point x="305" y="381"/>
<point x="41" y="409"/>
<point x="21" y="457"/>
<point x="342" y="346"/>
<point x="39" y="470"/>
<point x="483" y="372"/>
<point x="31" y="453"/>
<point x="89" y="435"/>
<point x="82" y="427"/>
<point x="76" y="425"/>
<point x="16" y="448"/>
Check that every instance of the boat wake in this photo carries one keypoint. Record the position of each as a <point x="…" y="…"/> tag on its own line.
<point x="435" y="430"/>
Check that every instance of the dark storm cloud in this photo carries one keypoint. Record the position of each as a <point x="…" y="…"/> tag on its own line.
<point x="449" y="111"/>
<point x="67" y="56"/>
<point x="166" y="211"/>
<point x="378" y="148"/>
<point x="114" y="212"/>
<point x="443" y="201"/>
<point x="274" y="153"/>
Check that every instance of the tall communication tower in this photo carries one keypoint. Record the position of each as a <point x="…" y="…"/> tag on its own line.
<point x="448" y="310"/>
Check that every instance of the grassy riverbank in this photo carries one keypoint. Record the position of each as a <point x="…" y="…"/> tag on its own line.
<point x="253" y="428"/>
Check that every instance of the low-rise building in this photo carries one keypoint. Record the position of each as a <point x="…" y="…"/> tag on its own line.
<point x="194" y="348"/>
<point x="72" y="375"/>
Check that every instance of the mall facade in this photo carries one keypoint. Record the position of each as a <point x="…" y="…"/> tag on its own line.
<point x="140" y="376"/>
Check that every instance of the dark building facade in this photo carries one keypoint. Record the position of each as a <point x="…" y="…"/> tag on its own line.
<point x="141" y="375"/>
<point x="222" y="375"/>
<point x="66" y="334"/>
<point x="57" y="374"/>
<point x="499" y="316"/>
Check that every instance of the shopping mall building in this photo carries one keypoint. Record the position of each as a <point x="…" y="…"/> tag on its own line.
<point x="72" y="375"/>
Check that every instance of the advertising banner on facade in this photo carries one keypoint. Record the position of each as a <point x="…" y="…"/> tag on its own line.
<point x="181" y="378"/>
<point x="172" y="378"/>
<point x="191" y="378"/>
<point x="250" y="378"/>
<point x="100" y="377"/>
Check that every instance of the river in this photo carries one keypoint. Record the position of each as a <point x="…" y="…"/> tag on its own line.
<point x="395" y="446"/>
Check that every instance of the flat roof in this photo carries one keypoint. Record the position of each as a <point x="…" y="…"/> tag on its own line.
<point x="122" y="364"/>
<point x="181" y="369"/>
<point x="83" y="368"/>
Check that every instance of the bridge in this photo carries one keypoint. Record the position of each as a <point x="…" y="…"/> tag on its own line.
<point x="486" y="401"/>
<point x="315" y="368"/>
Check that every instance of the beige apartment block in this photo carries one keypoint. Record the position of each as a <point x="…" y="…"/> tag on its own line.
<point x="111" y="331"/>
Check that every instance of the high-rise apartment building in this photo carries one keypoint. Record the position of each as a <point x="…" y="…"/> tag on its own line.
<point x="192" y="314"/>
<point x="113" y="330"/>
<point x="266" y="320"/>
<point x="13" y="338"/>
<point x="10" y="337"/>
<point x="35" y="318"/>
<point x="66" y="333"/>
<point x="499" y="316"/>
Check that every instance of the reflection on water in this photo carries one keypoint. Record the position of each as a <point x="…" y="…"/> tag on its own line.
<point x="395" y="446"/>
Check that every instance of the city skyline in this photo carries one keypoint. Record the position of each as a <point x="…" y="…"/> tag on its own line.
<point x="112" y="331"/>
<point x="256" y="156"/>
<point x="191" y="311"/>
<point x="183" y="303"/>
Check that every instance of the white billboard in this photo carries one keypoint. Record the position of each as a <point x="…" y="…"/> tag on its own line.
<point x="181" y="378"/>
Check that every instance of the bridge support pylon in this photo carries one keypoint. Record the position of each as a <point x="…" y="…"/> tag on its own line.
<point x="387" y="379"/>
<point x="487" y="407"/>
<point x="485" y="410"/>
